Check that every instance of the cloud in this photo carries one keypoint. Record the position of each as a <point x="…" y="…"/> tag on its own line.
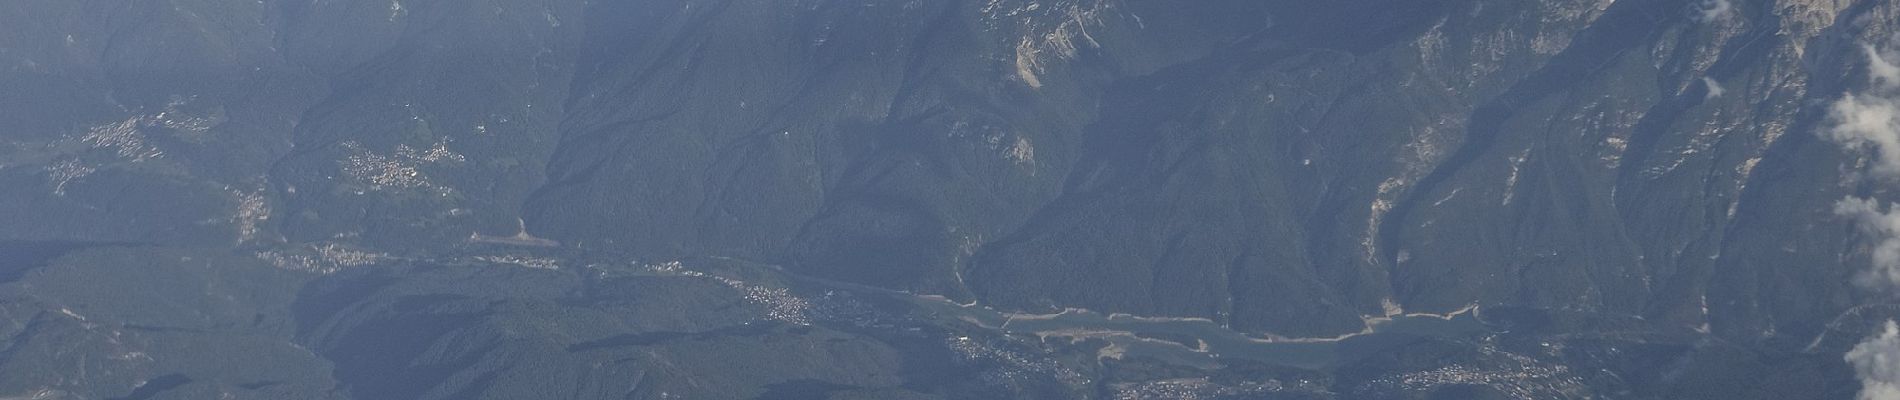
<point x="1876" y="362"/>
<point x="1883" y="73"/>
<point x="1715" y="89"/>
<point x="1711" y="10"/>
<point x="1885" y="275"/>
<point x="1867" y="120"/>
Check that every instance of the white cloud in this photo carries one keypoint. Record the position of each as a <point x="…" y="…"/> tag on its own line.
<point x="1711" y="10"/>
<point x="1885" y="225"/>
<point x="1884" y="74"/>
<point x="1867" y="120"/>
<point x="1877" y="362"/>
